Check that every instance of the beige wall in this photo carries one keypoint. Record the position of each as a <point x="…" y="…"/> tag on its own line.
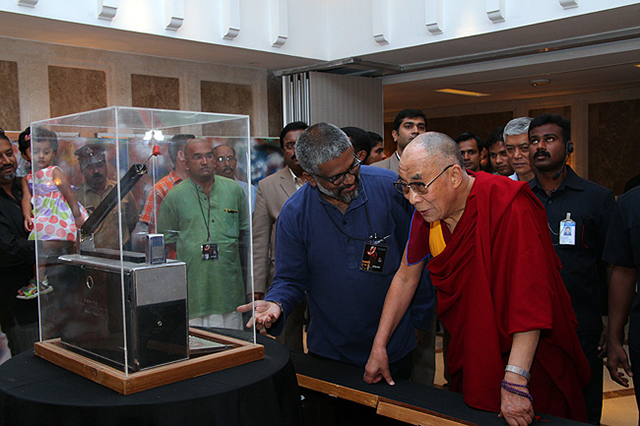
<point x="34" y="60"/>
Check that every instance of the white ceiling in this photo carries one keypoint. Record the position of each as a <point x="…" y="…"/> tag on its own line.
<point x="588" y="53"/>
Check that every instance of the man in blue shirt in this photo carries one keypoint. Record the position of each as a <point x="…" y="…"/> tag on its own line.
<point x="340" y="240"/>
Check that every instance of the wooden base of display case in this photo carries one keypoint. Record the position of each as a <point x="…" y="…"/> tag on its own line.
<point x="242" y="352"/>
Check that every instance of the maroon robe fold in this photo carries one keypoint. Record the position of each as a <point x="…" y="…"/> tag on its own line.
<point x="499" y="275"/>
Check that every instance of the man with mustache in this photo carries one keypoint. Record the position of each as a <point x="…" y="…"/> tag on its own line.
<point x="516" y="142"/>
<point x="578" y="213"/>
<point x="408" y="124"/>
<point x="225" y="165"/>
<point x="18" y="318"/>
<point x="206" y="219"/>
<point x="96" y="186"/>
<point x="324" y="237"/>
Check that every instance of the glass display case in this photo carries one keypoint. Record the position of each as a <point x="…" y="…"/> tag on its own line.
<point x="142" y="225"/>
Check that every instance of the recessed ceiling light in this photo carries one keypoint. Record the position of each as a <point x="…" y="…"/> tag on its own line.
<point x="539" y="82"/>
<point x="462" y="92"/>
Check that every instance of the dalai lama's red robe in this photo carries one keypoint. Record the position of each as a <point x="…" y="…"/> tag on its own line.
<point x="499" y="275"/>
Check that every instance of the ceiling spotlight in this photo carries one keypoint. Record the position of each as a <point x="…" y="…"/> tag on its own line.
<point x="539" y="82"/>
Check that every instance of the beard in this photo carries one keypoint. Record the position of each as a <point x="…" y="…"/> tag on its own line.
<point x="8" y="177"/>
<point x="338" y="192"/>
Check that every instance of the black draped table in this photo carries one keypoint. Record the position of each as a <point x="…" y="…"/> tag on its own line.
<point x="406" y="401"/>
<point x="34" y="391"/>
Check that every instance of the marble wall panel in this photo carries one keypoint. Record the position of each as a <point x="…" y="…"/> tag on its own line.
<point x="155" y="92"/>
<point x="227" y="98"/>
<point x="10" y="105"/>
<point x="613" y="143"/>
<point x="73" y="90"/>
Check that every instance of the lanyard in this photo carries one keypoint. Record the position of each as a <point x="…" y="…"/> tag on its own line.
<point x="208" y="218"/>
<point x="372" y="235"/>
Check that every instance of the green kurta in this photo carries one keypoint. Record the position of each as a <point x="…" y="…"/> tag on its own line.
<point x="215" y="286"/>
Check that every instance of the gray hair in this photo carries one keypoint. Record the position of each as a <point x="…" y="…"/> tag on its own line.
<point x="440" y="147"/>
<point x="320" y="143"/>
<point x="517" y="126"/>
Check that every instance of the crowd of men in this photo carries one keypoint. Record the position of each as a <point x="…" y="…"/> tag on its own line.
<point x="514" y="250"/>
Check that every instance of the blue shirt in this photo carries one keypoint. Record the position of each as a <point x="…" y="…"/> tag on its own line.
<point x="319" y="251"/>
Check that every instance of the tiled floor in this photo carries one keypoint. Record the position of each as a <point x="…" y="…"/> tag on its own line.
<point x="619" y="407"/>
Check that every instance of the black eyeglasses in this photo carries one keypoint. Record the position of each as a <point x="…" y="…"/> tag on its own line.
<point x="419" y="188"/>
<point x="339" y="178"/>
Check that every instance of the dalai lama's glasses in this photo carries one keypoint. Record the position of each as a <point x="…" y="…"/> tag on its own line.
<point x="418" y="188"/>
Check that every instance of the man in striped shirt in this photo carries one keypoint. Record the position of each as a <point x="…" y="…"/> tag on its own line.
<point x="150" y="211"/>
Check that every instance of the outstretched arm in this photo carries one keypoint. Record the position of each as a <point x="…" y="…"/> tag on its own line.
<point x="26" y="205"/>
<point x="622" y="284"/>
<point x="266" y="313"/>
<point x="61" y="181"/>
<point x="517" y="409"/>
<point x="399" y="296"/>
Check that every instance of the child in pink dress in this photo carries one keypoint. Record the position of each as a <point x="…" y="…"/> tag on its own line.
<point x="57" y="214"/>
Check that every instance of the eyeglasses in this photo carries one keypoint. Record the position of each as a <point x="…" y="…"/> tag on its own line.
<point x="339" y="178"/>
<point x="228" y="159"/>
<point x="418" y="188"/>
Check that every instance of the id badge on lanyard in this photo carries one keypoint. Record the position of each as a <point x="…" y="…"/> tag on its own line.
<point x="209" y="251"/>
<point x="373" y="257"/>
<point x="567" y="231"/>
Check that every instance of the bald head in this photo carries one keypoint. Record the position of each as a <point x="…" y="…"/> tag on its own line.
<point x="436" y="182"/>
<point x="438" y="148"/>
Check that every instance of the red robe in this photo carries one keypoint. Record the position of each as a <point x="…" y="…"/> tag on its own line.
<point x="499" y="275"/>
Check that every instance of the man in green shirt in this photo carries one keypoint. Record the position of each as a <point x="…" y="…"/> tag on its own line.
<point x="207" y="219"/>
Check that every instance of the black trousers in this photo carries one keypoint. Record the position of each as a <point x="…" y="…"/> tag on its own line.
<point x="593" y="392"/>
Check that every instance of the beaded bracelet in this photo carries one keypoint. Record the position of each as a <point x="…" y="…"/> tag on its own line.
<point x="515" y="391"/>
<point x="504" y="382"/>
<point x="277" y="303"/>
